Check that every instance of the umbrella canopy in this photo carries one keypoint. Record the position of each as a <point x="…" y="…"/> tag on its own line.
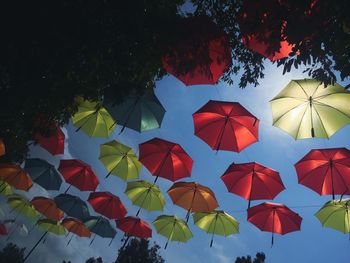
<point x="165" y="159"/>
<point x="2" y="148"/>
<point x="16" y="226"/>
<point x="216" y="222"/>
<point x="22" y="205"/>
<point x="275" y="218"/>
<point x="72" y="206"/>
<point x="134" y="226"/>
<point x="5" y="188"/>
<point x="93" y="119"/>
<point x="138" y="112"/>
<point x="326" y="171"/>
<point x="107" y="204"/>
<point x="120" y="160"/>
<point x="15" y="176"/>
<point x="252" y="181"/>
<point x="145" y="195"/>
<point x="173" y="228"/>
<point x="78" y="174"/>
<point x="305" y="109"/>
<point x="335" y="214"/>
<point x="3" y="230"/>
<point x="100" y="226"/>
<point x="47" y="207"/>
<point x="201" y="55"/>
<point x="54" y="143"/>
<point x="225" y="125"/>
<point x="76" y="226"/>
<point x="43" y="173"/>
<point x="51" y="226"/>
<point x="193" y="197"/>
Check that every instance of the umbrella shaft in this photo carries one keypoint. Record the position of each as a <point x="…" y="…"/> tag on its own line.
<point x="37" y="243"/>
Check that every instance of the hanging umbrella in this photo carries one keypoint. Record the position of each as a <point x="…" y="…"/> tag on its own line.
<point x="43" y="173"/>
<point x="216" y="222"/>
<point x="193" y="197"/>
<point x="225" y="125"/>
<point x="3" y="230"/>
<point x="138" y="112"/>
<point x="107" y="204"/>
<point x="326" y="171"/>
<point x="72" y="205"/>
<point x="78" y="174"/>
<point x="93" y="118"/>
<point x="5" y="188"/>
<point x="173" y="228"/>
<point x="134" y="226"/>
<point x="145" y="195"/>
<point x="165" y="159"/>
<point x="76" y="227"/>
<point x="274" y="218"/>
<point x="2" y="148"/>
<point x="100" y="226"/>
<point x="252" y="181"/>
<point x="201" y="55"/>
<point x="15" y="176"/>
<point x="305" y="109"/>
<point x="14" y="226"/>
<point x="47" y="207"/>
<point x="335" y="214"/>
<point x="120" y="160"/>
<point x="22" y="205"/>
<point x="54" y="143"/>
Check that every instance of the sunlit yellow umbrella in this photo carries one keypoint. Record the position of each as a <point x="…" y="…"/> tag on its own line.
<point x="306" y="109"/>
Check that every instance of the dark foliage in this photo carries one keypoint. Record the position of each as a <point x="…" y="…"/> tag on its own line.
<point x="259" y="258"/>
<point x="94" y="260"/>
<point x="11" y="253"/>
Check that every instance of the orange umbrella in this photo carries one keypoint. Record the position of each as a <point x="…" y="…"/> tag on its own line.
<point x="193" y="197"/>
<point x="47" y="207"/>
<point x="2" y="148"/>
<point x="15" y="176"/>
<point x="77" y="227"/>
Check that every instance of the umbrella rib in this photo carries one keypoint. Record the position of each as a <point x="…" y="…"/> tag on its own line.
<point x="301" y="120"/>
<point x="331" y="214"/>
<point x="288" y="112"/>
<point x="301" y="88"/>
<point x="316" y="90"/>
<point x="341" y="177"/>
<point x="324" y="128"/>
<point x="333" y="108"/>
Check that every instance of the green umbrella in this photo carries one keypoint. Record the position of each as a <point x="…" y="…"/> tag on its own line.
<point x="145" y="195"/>
<point x="335" y="214"/>
<point x="5" y="188"/>
<point x="22" y="205"/>
<point x="305" y="109"/>
<point x="139" y="112"/>
<point x="120" y="160"/>
<point x="93" y="118"/>
<point x="100" y="226"/>
<point x="217" y="222"/>
<point x="173" y="228"/>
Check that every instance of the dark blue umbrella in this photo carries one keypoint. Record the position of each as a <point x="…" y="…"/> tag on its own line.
<point x="72" y="205"/>
<point x="43" y="173"/>
<point x="100" y="226"/>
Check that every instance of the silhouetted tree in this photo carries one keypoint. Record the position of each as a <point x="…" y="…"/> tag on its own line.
<point x="139" y="251"/>
<point x="11" y="253"/>
<point x="94" y="260"/>
<point x="259" y="258"/>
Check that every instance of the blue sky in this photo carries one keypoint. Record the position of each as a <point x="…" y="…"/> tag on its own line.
<point x="275" y="149"/>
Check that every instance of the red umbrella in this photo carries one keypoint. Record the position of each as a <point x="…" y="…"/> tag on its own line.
<point x="275" y="218"/>
<point x="107" y="204"/>
<point x="226" y="125"/>
<point x="326" y="171"/>
<point x="3" y="230"/>
<point x="134" y="226"/>
<point x="203" y="49"/>
<point x="165" y="159"/>
<point x="54" y="144"/>
<point x="78" y="174"/>
<point x="252" y="181"/>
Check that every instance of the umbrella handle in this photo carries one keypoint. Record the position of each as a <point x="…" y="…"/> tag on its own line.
<point x="166" y="244"/>
<point x="70" y="240"/>
<point x="92" y="240"/>
<point x="37" y="243"/>
<point x="110" y="243"/>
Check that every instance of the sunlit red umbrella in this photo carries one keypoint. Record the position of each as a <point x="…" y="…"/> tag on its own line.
<point x="252" y="181"/>
<point x="15" y="176"/>
<point x="225" y="125"/>
<point x="326" y="171"/>
<point x="3" y="230"/>
<point x="77" y="227"/>
<point x="78" y="174"/>
<point x="274" y="218"/>
<point x="2" y="148"/>
<point x="201" y="55"/>
<point x="54" y="143"/>
<point x="134" y="226"/>
<point x="165" y="159"/>
<point x="107" y="204"/>
<point x="47" y="207"/>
